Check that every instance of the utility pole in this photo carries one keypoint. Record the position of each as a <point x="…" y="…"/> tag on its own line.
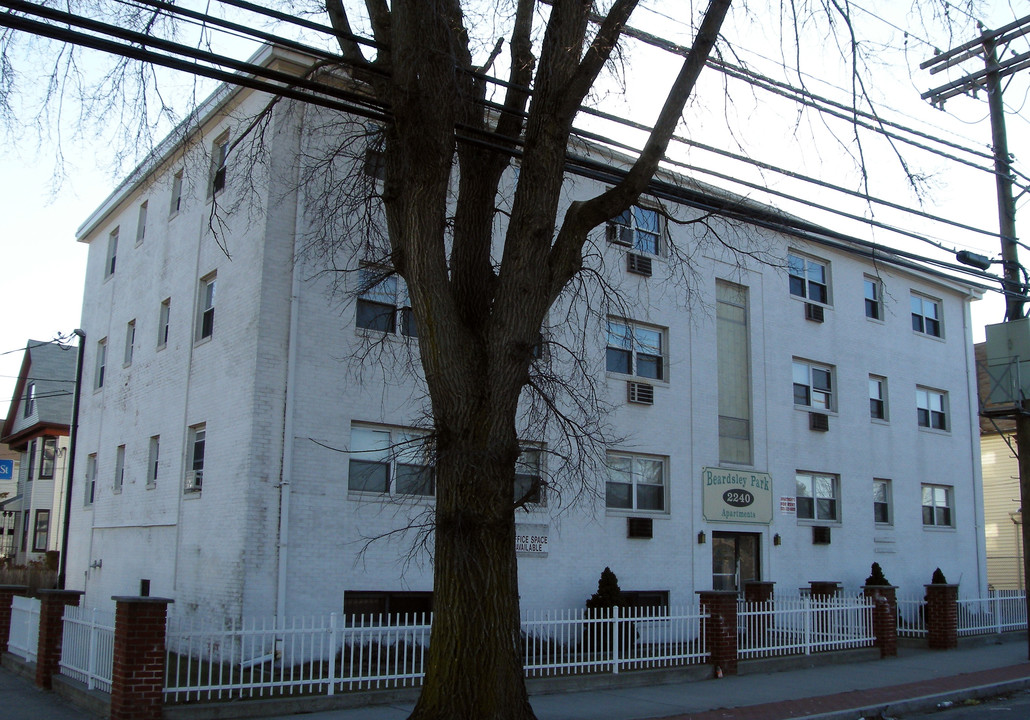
<point x="989" y="79"/>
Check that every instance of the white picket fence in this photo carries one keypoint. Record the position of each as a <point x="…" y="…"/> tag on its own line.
<point x="803" y="625"/>
<point x="87" y="647"/>
<point x="1001" y="611"/>
<point x="911" y="617"/>
<point x="24" y="627"/>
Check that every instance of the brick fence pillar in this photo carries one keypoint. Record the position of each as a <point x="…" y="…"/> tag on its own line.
<point x="139" y="658"/>
<point x="824" y="589"/>
<point x="942" y="616"/>
<point x="885" y="617"/>
<point x="721" y="629"/>
<point x="758" y="591"/>
<point x="51" y="632"/>
<point x="7" y="593"/>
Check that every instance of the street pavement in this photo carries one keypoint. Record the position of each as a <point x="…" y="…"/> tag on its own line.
<point x="916" y="681"/>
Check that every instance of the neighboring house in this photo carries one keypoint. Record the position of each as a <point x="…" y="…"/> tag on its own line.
<point x="37" y="427"/>
<point x="10" y="464"/>
<point x="792" y="420"/>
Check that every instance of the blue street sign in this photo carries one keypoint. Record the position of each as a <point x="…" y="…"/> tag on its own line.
<point x="6" y="469"/>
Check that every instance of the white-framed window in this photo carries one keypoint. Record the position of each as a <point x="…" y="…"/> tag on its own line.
<point x="130" y="342"/>
<point x="938" y="501"/>
<point x="878" y="397"/>
<point x="814" y="385"/>
<point x="384" y="305"/>
<point x="640" y="228"/>
<point x="196" y="441"/>
<point x="733" y="356"/>
<point x="206" y="307"/>
<point x="41" y="532"/>
<point x="932" y="408"/>
<point x="635" y="349"/>
<point x="89" y="486"/>
<point x="926" y="315"/>
<point x="141" y="222"/>
<point x="636" y="482"/>
<point x="389" y="461"/>
<point x="119" y="468"/>
<point x="153" y="459"/>
<point x="101" y="368"/>
<point x="809" y="278"/>
<point x="882" y="500"/>
<point x="818" y="496"/>
<point x="112" y="253"/>
<point x="873" y="298"/>
<point x="176" y="203"/>
<point x="47" y="458"/>
<point x="163" y="317"/>
<point x="219" y="156"/>
<point x="30" y="400"/>
<point x="529" y="482"/>
<point x="30" y="471"/>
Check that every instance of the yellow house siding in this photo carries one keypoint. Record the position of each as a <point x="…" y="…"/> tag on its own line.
<point x="1001" y="508"/>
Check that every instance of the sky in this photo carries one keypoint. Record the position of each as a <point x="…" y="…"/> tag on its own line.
<point x="48" y="190"/>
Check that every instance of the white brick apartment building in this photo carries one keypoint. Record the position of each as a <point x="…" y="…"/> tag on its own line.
<point x="837" y="390"/>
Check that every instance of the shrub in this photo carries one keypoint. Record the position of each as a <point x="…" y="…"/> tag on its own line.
<point x="608" y="593"/>
<point x="938" y="578"/>
<point x="876" y="576"/>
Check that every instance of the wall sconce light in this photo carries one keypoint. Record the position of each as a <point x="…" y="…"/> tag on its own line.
<point x="701" y="538"/>
<point x="777" y="540"/>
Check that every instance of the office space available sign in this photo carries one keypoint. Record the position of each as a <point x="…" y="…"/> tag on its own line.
<point x="531" y="539"/>
<point x="736" y="496"/>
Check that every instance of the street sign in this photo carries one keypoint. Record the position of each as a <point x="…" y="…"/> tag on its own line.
<point x="6" y="469"/>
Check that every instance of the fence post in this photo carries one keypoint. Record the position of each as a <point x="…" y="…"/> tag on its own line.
<point x="721" y="629"/>
<point x="616" y="629"/>
<point x="7" y="593"/>
<point x="885" y="617"/>
<point x="137" y="683"/>
<point x="51" y="632"/>
<point x="942" y="616"/>
<point x="332" y="654"/>
<point x="996" y="602"/>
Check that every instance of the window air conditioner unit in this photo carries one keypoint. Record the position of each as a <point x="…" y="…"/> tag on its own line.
<point x="637" y="527"/>
<point x="619" y="234"/>
<point x="638" y="264"/>
<point x="814" y="312"/>
<point x="194" y="480"/>
<point x="640" y="393"/>
<point x="818" y="422"/>
<point x="820" y="535"/>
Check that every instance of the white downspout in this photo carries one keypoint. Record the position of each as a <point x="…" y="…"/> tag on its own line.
<point x="972" y="392"/>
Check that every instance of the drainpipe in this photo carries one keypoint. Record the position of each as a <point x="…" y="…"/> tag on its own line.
<point x="976" y="469"/>
<point x="73" y="436"/>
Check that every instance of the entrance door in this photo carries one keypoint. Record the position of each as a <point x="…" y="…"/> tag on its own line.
<point x="735" y="559"/>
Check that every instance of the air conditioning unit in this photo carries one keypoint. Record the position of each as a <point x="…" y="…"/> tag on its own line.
<point x="619" y="234"/>
<point x="194" y="480"/>
<point x="638" y="264"/>
<point x="639" y="527"/>
<point x="818" y="422"/>
<point x="820" y="535"/>
<point x="814" y="312"/>
<point x="640" y="393"/>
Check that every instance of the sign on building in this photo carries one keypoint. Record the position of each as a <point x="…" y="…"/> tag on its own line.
<point x="736" y="496"/>
<point x="6" y="469"/>
<point x="531" y="539"/>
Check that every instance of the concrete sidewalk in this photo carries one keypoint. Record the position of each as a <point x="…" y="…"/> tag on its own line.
<point x="915" y="681"/>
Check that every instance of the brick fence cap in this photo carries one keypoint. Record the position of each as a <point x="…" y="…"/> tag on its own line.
<point x="15" y="588"/>
<point x="824" y="582"/>
<point x="716" y="592"/>
<point x="758" y="582"/>
<point x="141" y="599"/>
<point x="58" y="593"/>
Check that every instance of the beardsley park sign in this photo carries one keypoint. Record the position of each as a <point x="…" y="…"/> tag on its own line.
<point x="736" y="496"/>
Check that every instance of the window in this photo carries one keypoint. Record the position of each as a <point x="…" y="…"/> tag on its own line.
<point x="635" y="482"/>
<point x="926" y="315"/>
<point x="932" y="408"/>
<point x="42" y="531"/>
<point x="195" y="442"/>
<point x="130" y="341"/>
<point x="98" y="377"/>
<point x="648" y="599"/>
<point x="383" y="306"/>
<point x="162" y="323"/>
<point x="153" y="457"/>
<point x="141" y="223"/>
<point x="89" y="487"/>
<point x="877" y="397"/>
<point x="808" y="278"/>
<point x="873" y="298"/>
<point x="373" y="605"/>
<point x="47" y="459"/>
<point x="31" y="465"/>
<point x="635" y="350"/>
<point x="882" y="502"/>
<point x="176" y="193"/>
<point x="112" y="253"/>
<point x="219" y="155"/>
<point x="734" y="368"/>
<point x="119" y="468"/>
<point x="813" y="385"/>
<point x="389" y="461"/>
<point x="638" y="227"/>
<point x="206" y="308"/>
<point x="529" y="484"/>
<point x="375" y="163"/>
<point x="937" y="504"/>
<point x="30" y="400"/>
<point x="817" y="497"/>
